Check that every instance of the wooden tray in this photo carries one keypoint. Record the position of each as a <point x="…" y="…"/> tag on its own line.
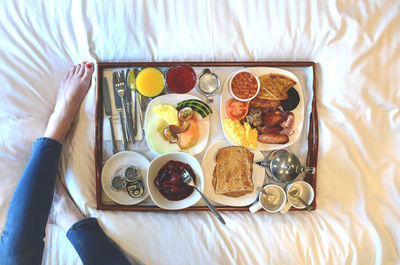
<point x="312" y="154"/>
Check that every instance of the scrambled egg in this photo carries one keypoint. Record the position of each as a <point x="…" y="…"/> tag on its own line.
<point x="241" y="134"/>
<point x="168" y="112"/>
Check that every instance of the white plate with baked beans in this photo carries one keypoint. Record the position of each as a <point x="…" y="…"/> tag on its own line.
<point x="276" y="127"/>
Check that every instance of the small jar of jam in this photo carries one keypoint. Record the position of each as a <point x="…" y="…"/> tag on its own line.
<point x="117" y="183"/>
<point x="135" y="188"/>
<point x="134" y="182"/>
<point x="132" y="173"/>
<point x="181" y="78"/>
<point x="128" y="178"/>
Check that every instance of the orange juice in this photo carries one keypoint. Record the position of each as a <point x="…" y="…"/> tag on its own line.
<point x="150" y="82"/>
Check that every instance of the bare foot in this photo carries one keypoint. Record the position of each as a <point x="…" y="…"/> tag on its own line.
<point x="64" y="211"/>
<point x="70" y="95"/>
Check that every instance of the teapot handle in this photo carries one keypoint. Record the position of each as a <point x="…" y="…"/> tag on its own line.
<point x="310" y="170"/>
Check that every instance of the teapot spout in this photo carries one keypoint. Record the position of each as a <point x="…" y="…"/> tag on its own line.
<point x="263" y="163"/>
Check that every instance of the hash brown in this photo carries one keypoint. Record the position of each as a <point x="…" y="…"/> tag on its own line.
<point x="275" y="86"/>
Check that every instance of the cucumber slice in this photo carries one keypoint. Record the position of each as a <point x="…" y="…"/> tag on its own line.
<point x="198" y="109"/>
<point x="204" y="105"/>
<point x="196" y="105"/>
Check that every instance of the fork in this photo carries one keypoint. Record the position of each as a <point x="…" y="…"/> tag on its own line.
<point x="119" y="107"/>
<point x="120" y="87"/>
<point x="188" y="180"/>
<point x="120" y="84"/>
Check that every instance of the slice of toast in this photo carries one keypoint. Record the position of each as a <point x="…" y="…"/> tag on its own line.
<point x="277" y="85"/>
<point x="233" y="172"/>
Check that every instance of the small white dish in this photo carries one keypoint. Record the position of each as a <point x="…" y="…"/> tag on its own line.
<point x="208" y="165"/>
<point x="230" y="85"/>
<point x="274" y="200"/>
<point x="155" y="194"/>
<point x="305" y="191"/>
<point x="174" y="99"/>
<point x="112" y="164"/>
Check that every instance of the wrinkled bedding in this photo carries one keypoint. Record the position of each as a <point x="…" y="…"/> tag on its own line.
<point x="357" y="50"/>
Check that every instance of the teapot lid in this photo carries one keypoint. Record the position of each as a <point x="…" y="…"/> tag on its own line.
<point x="285" y="167"/>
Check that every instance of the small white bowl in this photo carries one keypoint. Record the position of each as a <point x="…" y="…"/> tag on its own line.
<point x="306" y="192"/>
<point x="230" y="85"/>
<point x="155" y="194"/>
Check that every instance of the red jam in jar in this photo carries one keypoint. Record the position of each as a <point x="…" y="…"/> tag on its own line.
<point x="181" y="78"/>
<point x="169" y="181"/>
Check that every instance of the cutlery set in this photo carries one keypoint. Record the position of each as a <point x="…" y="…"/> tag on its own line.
<point x="127" y="108"/>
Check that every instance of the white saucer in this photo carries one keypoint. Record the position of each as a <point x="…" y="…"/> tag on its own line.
<point x="112" y="164"/>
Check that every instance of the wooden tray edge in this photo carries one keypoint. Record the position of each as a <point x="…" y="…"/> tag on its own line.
<point x="312" y="154"/>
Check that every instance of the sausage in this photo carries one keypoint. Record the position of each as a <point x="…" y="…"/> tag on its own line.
<point x="273" y="118"/>
<point x="271" y="129"/>
<point x="273" y="138"/>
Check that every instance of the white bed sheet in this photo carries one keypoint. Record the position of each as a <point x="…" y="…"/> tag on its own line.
<point x="357" y="48"/>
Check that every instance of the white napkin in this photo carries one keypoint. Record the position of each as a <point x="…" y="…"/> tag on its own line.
<point x="115" y="119"/>
<point x="117" y="127"/>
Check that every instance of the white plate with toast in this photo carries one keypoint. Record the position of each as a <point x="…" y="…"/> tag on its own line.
<point x="298" y="111"/>
<point x="208" y="164"/>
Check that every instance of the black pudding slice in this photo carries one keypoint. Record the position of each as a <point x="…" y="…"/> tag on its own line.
<point x="292" y="101"/>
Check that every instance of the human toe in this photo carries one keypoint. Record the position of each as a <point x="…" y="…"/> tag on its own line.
<point x="89" y="68"/>
<point x="81" y="69"/>
<point x="68" y="74"/>
<point x="78" y="70"/>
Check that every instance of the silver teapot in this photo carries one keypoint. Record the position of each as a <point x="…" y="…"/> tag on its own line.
<point x="282" y="166"/>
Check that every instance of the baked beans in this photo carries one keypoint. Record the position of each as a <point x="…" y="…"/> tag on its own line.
<point x="244" y="85"/>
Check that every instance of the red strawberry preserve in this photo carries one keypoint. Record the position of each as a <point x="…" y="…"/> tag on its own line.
<point x="169" y="181"/>
<point x="181" y="78"/>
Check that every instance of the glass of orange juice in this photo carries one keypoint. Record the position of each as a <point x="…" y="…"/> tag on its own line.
<point x="150" y="82"/>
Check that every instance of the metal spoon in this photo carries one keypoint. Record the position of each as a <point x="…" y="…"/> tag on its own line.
<point x="267" y="194"/>
<point x="294" y="194"/>
<point x="263" y="191"/>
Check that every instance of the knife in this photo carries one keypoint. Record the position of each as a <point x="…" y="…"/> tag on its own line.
<point x="108" y="110"/>
<point x="118" y="105"/>
<point x="128" y="109"/>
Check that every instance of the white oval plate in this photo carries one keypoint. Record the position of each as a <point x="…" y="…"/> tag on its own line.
<point x="112" y="164"/>
<point x="298" y="111"/>
<point x="208" y="165"/>
<point x="174" y="99"/>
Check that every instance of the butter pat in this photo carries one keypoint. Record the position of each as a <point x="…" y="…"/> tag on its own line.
<point x="240" y="134"/>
